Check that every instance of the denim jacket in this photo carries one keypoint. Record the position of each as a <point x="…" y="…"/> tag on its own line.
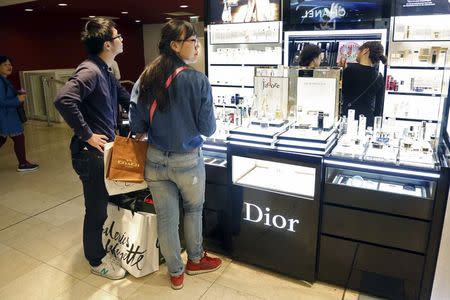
<point x="191" y="114"/>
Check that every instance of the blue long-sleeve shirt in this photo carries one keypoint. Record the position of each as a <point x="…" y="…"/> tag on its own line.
<point x="88" y="101"/>
<point x="190" y="115"/>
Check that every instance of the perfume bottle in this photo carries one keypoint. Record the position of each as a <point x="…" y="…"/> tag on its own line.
<point x="351" y="115"/>
<point x="320" y="121"/>
<point x="377" y="125"/>
<point x="278" y="113"/>
<point x="362" y="126"/>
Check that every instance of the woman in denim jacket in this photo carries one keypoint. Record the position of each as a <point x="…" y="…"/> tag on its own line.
<point x="175" y="113"/>
<point x="10" y="124"/>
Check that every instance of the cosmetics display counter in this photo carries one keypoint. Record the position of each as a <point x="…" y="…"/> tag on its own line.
<point x="275" y="200"/>
<point x="383" y="215"/>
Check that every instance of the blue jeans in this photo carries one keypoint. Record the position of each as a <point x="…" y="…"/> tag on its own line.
<point x="168" y="176"/>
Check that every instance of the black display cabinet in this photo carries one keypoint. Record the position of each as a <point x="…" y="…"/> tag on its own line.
<point x="274" y="203"/>
<point x="385" y="224"/>
<point x="216" y="196"/>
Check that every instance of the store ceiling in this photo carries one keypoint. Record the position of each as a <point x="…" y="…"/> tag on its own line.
<point x="148" y="11"/>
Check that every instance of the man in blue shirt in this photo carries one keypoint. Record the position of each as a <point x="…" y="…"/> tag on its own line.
<point x="88" y="103"/>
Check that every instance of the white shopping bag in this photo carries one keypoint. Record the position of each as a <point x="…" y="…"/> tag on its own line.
<point x="118" y="187"/>
<point x="132" y="238"/>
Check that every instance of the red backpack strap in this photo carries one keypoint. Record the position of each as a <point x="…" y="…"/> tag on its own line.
<point x="168" y="82"/>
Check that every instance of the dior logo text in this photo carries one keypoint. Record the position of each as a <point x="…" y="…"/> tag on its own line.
<point x="254" y="213"/>
<point x="127" y="163"/>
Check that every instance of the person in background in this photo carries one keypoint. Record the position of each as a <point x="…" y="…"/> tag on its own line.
<point x="310" y="56"/>
<point x="10" y="124"/>
<point x="88" y="103"/>
<point x="362" y="84"/>
<point x="183" y="112"/>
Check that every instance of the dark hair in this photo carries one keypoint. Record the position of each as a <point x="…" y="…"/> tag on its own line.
<point x="154" y="77"/>
<point x="308" y="54"/>
<point x="4" y="58"/>
<point x="376" y="51"/>
<point x="96" y="32"/>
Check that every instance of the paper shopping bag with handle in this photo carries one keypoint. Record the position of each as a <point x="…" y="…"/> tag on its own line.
<point x="127" y="160"/>
<point x="115" y="187"/>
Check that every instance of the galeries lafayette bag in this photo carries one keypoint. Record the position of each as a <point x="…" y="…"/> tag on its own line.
<point x="132" y="238"/>
<point x="127" y="160"/>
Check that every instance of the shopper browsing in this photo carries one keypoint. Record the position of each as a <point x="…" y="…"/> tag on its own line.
<point x="362" y="84"/>
<point x="88" y="103"/>
<point x="181" y="110"/>
<point x="10" y="124"/>
<point x="310" y="56"/>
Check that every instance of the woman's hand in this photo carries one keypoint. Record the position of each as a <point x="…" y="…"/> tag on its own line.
<point x="342" y="62"/>
<point x="141" y="136"/>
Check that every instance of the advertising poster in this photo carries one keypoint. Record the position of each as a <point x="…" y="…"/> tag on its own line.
<point x="330" y="12"/>
<point x="243" y="11"/>
<point x="348" y="50"/>
<point x="421" y="7"/>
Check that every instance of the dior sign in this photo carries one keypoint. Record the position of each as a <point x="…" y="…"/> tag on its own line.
<point x="253" y="213"/>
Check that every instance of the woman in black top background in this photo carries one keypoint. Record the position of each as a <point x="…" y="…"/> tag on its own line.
<point x="362" y="84"/>
<point x="310" y="56"/>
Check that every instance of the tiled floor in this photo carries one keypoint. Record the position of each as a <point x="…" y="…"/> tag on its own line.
<point x="41" y="255"/>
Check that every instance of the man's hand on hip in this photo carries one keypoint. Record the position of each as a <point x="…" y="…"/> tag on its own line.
<point x="98" y="141"/>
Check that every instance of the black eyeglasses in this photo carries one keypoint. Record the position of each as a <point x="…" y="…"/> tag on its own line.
<point x="119" y="36"/>
<point x="194" y="40"/>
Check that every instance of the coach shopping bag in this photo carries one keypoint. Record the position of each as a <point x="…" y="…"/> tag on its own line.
<point x="127" y="160"/>
<point x="118" y="187"/>
<point x="132" y="238"/>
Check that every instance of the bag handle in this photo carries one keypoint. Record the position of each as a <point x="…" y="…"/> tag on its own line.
<point x="168" y="82"/>
<point x="360" y="95"/>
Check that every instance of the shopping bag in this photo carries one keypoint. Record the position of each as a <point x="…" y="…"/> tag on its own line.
<point x="118" y="187"/>
<point x="127" y="160"/>
<point x="132" y="238"/>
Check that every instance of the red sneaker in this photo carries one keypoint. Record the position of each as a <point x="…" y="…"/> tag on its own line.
<point x="177" y="281"/>
<point x="206" y="264"/>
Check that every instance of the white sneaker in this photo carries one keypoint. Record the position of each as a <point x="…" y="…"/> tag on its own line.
<point x="109" y="268"/>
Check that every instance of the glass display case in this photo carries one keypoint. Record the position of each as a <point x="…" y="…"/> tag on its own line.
<point x="418" y="188"/>
<point x="293" y="180"/>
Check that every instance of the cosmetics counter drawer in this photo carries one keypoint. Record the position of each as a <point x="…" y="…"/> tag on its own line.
<point x="382" y="272"/>
<point x="393" y="194"/>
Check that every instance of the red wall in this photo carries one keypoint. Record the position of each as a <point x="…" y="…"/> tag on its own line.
<point x="54" y="43"/>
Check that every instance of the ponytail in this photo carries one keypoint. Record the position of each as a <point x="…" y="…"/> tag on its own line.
<point x="376" y="52"/>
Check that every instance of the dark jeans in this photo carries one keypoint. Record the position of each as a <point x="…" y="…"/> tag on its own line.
<point x="88" y="164"/>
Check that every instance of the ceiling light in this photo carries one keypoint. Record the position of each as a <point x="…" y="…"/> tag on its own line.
<point x="124" y="13"/>
<point x="168" y="18"/>
<point x="91" y="16"/>
<point x="28" y="9"/>
<point x="184" y="6"/>
<point x="62" y="4"/>
<point x="138" y="21"/>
